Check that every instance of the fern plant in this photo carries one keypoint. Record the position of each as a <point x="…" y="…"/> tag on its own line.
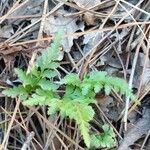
<point x="105" y="139"/>
<point x="40" y="88"/>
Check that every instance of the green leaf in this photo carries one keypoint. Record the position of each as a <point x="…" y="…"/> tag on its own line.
<point x="48" y="85"/>
<point x="15" y="91"/>
<point x="97" y="88"/>
<point x="53" y="106"/>
<point x="97" y="75"/>
<point x="36" y="89"/>
<point x="83" y="114"/>
<point x="49" y="74"/>
<point x="66" y="109"/>
<point x="108" y="89"/>
<point x="71" y="79"/>
<point x="35" y="100"/>
<point x="84" y="127"/>
<point x="80" y="112"/>
<point x="69" y="90"/>
<point x="40" y="97"/>
<point x="51" y="54"/>
<point x="27" y="79"/>
<point x="104" y="140"/>
<point x="86" y="87"/>
<point x="95" y="141"/>
<point x="108" y="130"/>
<point x="53" y="65"/>
<point x="101" y="78"/>
<point x="35" y="72"/>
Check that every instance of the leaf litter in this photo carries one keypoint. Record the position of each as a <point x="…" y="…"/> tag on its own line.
<point x="86" y="23"/>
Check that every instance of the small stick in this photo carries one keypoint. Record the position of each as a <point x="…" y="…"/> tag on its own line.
<point x="28" y="141"/>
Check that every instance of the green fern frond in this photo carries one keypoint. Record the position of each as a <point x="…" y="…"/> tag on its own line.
<point x="51" y="54"/>
<point x="48" y="85"/>
<point x="106" y="139"/>
<point x="53" y="106"/>
<point x="84" y="129"/>
<point x="49" y="74"/>
<point x="96" y="80"/>
<point x="98" y="87"/>
<point x="14" y="92"/>
<point x="71" y="79"/>
<point x="40" y="97"/>
<point x="27" y="79"/>
<point x="35" y="100"/>
<point x="80" y="112"/>
<point x="99" y="80"/>
<point x="86" y="88"/>
<point x="39" y="88"/>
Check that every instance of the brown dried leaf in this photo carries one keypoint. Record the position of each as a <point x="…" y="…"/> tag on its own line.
<point x="137" y="131"/>
<point x="54" y="23"/>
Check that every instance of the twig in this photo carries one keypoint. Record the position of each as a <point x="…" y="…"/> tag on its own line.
<point x="133" y="66"/>
<point x="54" y="127"/>
<point x="20" y="124"/>
<point x="10" y="124"/>
<point x="31" y="62"/>
<point x="145" y="140"/>
<point x="9" y="12"/>
<point x="28" y="141"/>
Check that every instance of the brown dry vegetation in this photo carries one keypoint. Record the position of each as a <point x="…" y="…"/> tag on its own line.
<point x="109" y="35"/>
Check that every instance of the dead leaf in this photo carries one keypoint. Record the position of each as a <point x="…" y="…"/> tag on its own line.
<point x="109" y="107"/>
<point x="90" y="40"/>
<point x="137" y="131"/>
<point x="89" y="18"/>
<point x="9" y="55"/>
<point x="87" y="3"/>
<point x="30" y="8"/>
<point x="6" y="31"/>
<point x="139" y="69"/>
<point x="105" y="102"/>
<point x="70" y="25"/>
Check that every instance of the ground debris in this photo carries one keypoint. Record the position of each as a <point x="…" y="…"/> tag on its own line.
<point x="103" y="35"/>
<point x="139" y="129"/>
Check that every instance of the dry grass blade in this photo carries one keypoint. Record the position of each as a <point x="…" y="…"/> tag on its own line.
<point x="3" y="146"/>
